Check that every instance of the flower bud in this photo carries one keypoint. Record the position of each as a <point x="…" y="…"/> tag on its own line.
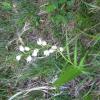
<point x="27" y="48"/>
<point x="18" y="57"/>
<point x="21" y="48"/>
<point x="29" y="59"/>
<point x="46" y="53"/>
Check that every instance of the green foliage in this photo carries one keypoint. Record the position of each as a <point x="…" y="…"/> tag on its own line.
<point x="50" y="8"/>
<point x="68" y="74"/>
<point x="88" y="97"/>
<point x="60" y="13"/>
<point x="56" y="25"/>
<point x="6" y="6"/>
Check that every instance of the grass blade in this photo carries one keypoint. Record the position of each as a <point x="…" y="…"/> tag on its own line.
<point x="67" y="75"/>
<point x="75" y="55"/>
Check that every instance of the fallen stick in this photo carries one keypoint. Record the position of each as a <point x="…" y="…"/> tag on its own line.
<point x="32" y="89"/>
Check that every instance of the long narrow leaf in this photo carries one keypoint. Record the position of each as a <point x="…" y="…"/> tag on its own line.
<point x="75" y="55"/>
<point x="82" y="60"/>
<point x="67" y="75"/>
<point x="67" y="47"/>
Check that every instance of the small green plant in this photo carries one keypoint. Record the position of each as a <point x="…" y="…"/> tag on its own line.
<point x="36" y="53"/>
<point x="72" y="70"/>
<point x="60" y="10"/>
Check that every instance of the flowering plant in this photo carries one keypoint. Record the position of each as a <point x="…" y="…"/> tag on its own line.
<point x="48" y="49"/>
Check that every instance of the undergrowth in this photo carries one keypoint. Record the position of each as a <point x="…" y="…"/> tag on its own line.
<point x="69" y="75"/>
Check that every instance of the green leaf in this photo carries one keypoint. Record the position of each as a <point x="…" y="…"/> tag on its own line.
<point x="67" y="47"/>
<point x="68" y="74"/>
<point x="75" y="55"/>
<point x="88" y="97"/>
<point x="50" y="8"/>
<point x="59" y="19"/>
<point x="6" y="6"/>
<point x="71" y="2"/>
<point x="62" y="1"/>
<point x="82" y="60"/>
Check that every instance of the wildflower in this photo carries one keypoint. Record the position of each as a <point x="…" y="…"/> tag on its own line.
<point x="46" y="53"/>
<point x="54" y="47"/>
<point x="29" y="59"/>
<point x="35" y="52"/>
<point x="18" y="57"/>
<point x="51" y="50"/>
<point x="61" y="49"/>
<point x="14" y="5"/>
<point x="44" y="43"/>
<point x="21" y="48"/>
<point x="39" y="41"/>
<point x="27" y="48"/>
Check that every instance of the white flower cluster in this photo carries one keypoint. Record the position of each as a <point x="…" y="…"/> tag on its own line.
<point x="35" y="52"/>
<point x="52" y="50"/>
<point x="29" y="58"/>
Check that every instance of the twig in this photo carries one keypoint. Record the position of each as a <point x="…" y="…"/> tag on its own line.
<point x="30" y="90"/>
<point x="19" y="34"/>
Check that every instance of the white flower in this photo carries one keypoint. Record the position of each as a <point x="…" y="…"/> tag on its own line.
<point x="27" y="48"/>
<point x="29" y="59"/>
<point x="21" y="48"/>
<point x="18" y="57"/>
<point x="44" y="43"/>
<point x="54" y="47"/>
<point x="61" y="49"/>
<point x="39" y="41"/>
<point x="51" y="50"/>
<point x="46" y="53"/>
<point x="35" y="52"/>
